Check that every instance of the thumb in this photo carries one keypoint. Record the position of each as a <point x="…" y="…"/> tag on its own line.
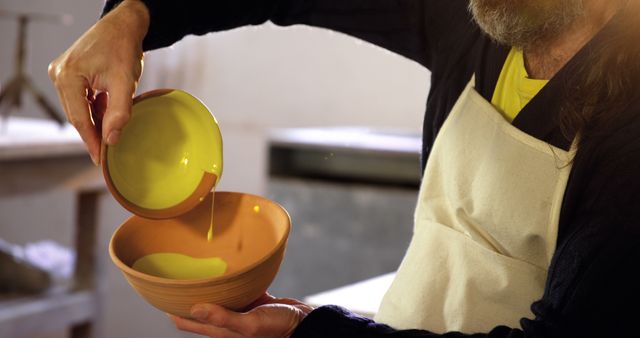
<point x="118" y="110"/>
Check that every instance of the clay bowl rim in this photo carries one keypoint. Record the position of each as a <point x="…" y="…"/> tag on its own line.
<point x="191" y="282"/>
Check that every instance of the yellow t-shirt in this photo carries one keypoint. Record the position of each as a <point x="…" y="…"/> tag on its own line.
<point x="514" y="88"/>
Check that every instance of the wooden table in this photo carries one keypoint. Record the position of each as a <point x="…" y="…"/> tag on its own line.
<point x="37" y="154"/>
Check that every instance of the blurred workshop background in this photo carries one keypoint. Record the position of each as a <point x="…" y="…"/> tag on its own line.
<point x="324" y="124"/>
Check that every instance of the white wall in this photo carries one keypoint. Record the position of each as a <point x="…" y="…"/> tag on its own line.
<point x="297" y="76"/>
<point x="257" y="78"/>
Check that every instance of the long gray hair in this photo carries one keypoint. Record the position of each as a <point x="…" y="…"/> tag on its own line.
<point x="599" y="89"/>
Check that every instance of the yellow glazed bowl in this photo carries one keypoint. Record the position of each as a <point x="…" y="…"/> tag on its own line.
<point x="168" y="158"/>
<point x="250" y="234"/>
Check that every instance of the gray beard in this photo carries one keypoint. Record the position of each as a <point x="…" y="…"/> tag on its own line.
<point x="525" y="23"/>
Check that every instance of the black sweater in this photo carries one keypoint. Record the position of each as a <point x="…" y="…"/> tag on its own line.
<point x="593" y="288"/>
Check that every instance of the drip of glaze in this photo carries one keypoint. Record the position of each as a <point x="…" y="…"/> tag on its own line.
<point x="210" y="232"/>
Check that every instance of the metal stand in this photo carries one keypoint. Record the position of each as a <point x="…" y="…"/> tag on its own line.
<point x="11" y="94"/>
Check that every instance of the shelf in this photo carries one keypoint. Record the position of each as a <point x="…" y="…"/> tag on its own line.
<point x="23" y="317"/>
<point x="43" y="158"/>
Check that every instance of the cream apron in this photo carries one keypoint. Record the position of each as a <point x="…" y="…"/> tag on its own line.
<point x="485" y="228"/>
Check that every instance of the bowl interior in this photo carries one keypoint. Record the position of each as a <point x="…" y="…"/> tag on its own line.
<point x="247" y="229"/>
<point x="167" y="146"/>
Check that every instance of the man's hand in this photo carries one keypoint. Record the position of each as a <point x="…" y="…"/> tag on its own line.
<point x="268" y="317"/>
<point x="105" y="59"/>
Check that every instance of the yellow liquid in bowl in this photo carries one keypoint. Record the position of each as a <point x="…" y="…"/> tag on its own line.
<point x="179" y="266"/>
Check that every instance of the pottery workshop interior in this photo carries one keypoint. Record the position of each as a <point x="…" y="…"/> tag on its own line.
<point x="315" y="122"/>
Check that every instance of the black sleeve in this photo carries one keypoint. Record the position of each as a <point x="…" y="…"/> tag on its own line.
<point x="593" y="286"/>
<point x="416" y="29"/>
<point x="336" y="322"/>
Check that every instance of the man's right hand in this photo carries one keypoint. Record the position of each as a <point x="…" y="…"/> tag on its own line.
<point x="105" y="59"/>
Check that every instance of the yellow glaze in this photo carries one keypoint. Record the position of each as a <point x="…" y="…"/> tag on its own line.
<point x="210" y="232"/>
<point x="178" y="266"/>
<point x="164" y="150"/>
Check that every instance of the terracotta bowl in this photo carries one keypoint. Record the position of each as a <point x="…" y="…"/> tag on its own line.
<point x="250" y="233"/>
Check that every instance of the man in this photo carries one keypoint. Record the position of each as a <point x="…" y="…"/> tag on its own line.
<point x="527" y="219"/>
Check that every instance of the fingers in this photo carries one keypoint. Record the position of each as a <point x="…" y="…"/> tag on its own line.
<point x="203" y="329"/>
<point x="98" y="109"/>
<point x="121" y="91"/>
<point x="266" y="298"/>
<point x="73" y="96"/>
<point x="288" y="301"/>
<point x="106" y="58"/>
<point x="111" y="107"/>
<point x="246" y="324"/>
